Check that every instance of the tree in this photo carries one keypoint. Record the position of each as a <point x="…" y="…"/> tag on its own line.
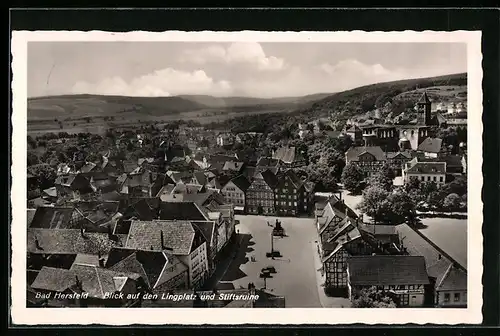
<point x="452" y="202"/>
<point x="375" y="203"/>
<point x="373" y="298"/>
<point x="32" y="159"/>
<point x="383" y="178"/>
<point x="46" y="175"/>
<point x="402" y="207"/>
<point x="457" y="186"/>
<point x="435" y="199"/>
<point x="352" y="178"/>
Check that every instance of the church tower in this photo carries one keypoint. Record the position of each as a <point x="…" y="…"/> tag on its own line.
<point x="424" y="110"/>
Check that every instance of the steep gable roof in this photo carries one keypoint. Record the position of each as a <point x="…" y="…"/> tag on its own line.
<point x="182" y="211"/>
<point x="146" y="235"/>
<point x="431" y="145"/>
<point x="149" y="264"/>
<point x="455" y="279"/>
<point x="269" y="178"/>
<point x="353" y="153"/>
<point x="241" y="182"/>
<point x="427" y="168"/>
<point x="94" y="280"/>
<point x="387" y="270"/>
<point x="71" y="241"/>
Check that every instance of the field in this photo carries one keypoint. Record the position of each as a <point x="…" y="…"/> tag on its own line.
<point x="441" y="93"/>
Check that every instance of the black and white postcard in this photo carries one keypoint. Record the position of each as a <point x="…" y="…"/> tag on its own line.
<point x="157" y="174"/>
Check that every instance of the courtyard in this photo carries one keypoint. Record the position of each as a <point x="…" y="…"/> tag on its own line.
<point x="297" y="277"/>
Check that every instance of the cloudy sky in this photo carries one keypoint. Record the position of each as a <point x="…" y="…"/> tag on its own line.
<point x="230" y="69"/>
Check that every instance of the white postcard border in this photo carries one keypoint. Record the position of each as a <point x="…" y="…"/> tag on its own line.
<point x="190" y="316"/>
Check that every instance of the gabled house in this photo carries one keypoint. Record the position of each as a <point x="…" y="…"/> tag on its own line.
<point x="234" y="192"/>
<point x="87" y="286"/>
<point x="68" y="184"/>
<point x="159" y="269"/>
<point x="431" y="147"/>
<point x="180" y="238"/>
<point x="290" y="196"/>
<point x="448" y="277"/>
<point x="266" y="163"/>
<point x="425" y="171"/>
<point x="289" y="157"/>
<point x="397" y="160"/>
<point x="233" y="167"/>
<point x="403" y="275"/>
<point x="260" y="194"/>
<point x="209" y="231"/>
<point x="370" y="159"/>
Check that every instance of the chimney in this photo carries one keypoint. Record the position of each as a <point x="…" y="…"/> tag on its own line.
<point x="37" y="244"/>
<point x="78" y="283"/>
<point x="162" y="240"/>
<point x="101" y="260"/>
<point x="110" y="231"/>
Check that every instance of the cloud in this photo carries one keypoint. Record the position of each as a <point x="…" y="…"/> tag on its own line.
<point x="238" y="53"/>
<point x="353" y="68"/>
<point x="165" y="82"/>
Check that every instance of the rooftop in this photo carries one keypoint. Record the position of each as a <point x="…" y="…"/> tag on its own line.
<point x="147" y="235"/>
<point x="71" y="241"/>
<point x="353" y="153"/>
<point x="387" y="270"/>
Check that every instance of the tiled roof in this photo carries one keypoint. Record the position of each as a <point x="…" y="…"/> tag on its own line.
<point x="431" y="145"/>
<point x="437" y="261"/>
<point x="177" y="235"/>
<point x="285" y="154"/>
<point x="269" y="178"/>
<point x="267" y="162"/>
<point x="455" y="278"/>
<point x="378" y="229"/>
<point x="52" y="217"/>
<point x="241" y="182"/>
<point x="182" y="211"/>
<point x="427" y="168"/>
<point x="65" y="180"/>
<point x="95" y="281"/>
<point x="296" y="181"/>
<point x="149" y="264"/>
<point x="70" y="241"/>
<point x="353" y="153"/>
<point x="89" y="166"/>
<point x="232" y="165"/>
<point x="405" y="154"/>
<point x="208" y="229"/>
<point x="220" y="158"/>
<point x="30" y="216"/>
<point x="387" y="270"/>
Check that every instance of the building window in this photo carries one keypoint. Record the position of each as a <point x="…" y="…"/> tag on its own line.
<point x="446" y="297"/>
<point x="434" y="178"/>
<point x="440" y="179"/>
<point x="457" y="297"/>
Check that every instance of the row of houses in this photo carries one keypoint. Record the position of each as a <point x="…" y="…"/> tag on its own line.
<point x="430" y="162"/>
<point x="395" y="259"/>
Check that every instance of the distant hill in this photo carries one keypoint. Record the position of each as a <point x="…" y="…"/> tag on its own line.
<point x="366" y="98"/>
<point x="75" y="106"/>
<point x="86" y="105"/>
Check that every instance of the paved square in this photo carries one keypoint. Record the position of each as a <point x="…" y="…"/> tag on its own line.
<point x="296" y="274"/>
